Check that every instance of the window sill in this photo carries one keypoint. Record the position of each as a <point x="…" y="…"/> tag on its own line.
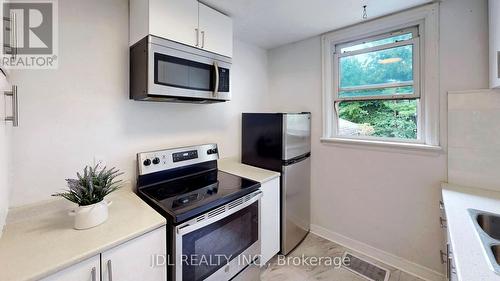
<point x="387" y="144"/>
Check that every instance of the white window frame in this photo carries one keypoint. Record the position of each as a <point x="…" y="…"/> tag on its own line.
<point x="337" y="55"/>
<point x="426" y="76"/>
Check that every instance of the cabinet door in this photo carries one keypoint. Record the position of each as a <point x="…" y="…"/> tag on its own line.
<point x="494" y="26"/>
<point x="143" y="258"/>
<point x="216" y="31"/>
<point x="87" y="270"/>
<point x="270" y="219"/>
<point x="5" y="144"/>
<point x="176" y="20"/>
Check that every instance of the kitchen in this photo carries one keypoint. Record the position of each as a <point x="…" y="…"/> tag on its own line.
<point x="379" y="201"/>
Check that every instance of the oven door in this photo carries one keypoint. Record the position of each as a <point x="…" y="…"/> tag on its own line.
<point x="184" y="73"/>
<point x="221" y="243"/>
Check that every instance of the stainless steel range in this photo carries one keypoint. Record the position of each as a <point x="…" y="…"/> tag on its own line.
<point x="213" y="217"/>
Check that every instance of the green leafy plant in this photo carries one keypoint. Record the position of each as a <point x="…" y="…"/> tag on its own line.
<point x="92" y="186"/>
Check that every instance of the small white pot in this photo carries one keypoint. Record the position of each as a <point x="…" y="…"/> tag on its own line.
<point x="91" y="215"/>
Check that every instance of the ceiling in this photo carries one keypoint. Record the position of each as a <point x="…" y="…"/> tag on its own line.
<point x="272" y="23"/>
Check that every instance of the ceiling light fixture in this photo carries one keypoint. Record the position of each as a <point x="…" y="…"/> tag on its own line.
<point x="365" y="15"/>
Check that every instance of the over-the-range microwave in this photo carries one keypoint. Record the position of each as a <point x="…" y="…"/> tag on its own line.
<point x="163" y="70"/>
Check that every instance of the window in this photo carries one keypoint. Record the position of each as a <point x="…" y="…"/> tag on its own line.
<point x="377" y="90"/>
<point x="381" y="81"/>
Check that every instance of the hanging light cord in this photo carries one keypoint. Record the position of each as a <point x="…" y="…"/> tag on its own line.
<point x="365" y="15"/>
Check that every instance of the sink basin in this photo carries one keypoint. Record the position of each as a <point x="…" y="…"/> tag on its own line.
<point x="490" y="224"/>
<point x="488" y="228"/>
<point x="496" y="253"/>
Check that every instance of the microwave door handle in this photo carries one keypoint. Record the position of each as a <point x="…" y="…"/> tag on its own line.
<point x="216" y="88"/>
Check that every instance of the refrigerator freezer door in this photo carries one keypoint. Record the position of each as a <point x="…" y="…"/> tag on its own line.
<point x="295" y="200"/>
<point x="296" y="135"/>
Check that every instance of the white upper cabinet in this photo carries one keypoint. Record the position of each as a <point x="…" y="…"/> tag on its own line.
<point x="176" y="20"/>
<point x="216" y="30"/>
<point x="185" y="21"/>
<point x="494" y="24"/>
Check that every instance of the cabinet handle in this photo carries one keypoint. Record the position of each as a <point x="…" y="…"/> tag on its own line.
<point x="110" y="270"/>
<point x="93" y="273"/>
<point x="202" y="39"/>
<point x="15" y="107"/>
<point x="197" y="37"/>
<point x="13" y="38"/>
<point x="448" y="262"/>
<point x="443" y="256"/>
<point x="442" y="222"/>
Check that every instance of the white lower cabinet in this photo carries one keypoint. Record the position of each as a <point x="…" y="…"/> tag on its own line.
<point x="87" y="270"/>
<point x="270" y="219"/>
<point x="447" y="258"/>
<point x="142" y="258"/>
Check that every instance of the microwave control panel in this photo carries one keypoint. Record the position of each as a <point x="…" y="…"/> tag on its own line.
<point x="223" y="79"/>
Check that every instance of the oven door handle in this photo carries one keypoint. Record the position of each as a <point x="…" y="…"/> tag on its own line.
<point x="217" y="78"/>
<point x="197" y="224"/>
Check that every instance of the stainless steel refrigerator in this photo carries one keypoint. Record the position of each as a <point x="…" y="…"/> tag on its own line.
<point x="282" y="142"/>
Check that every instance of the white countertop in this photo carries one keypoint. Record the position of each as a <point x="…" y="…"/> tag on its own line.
<point x="234" y="167"/>
<point x="470" y="261"/>
<point x="40" y="240"/>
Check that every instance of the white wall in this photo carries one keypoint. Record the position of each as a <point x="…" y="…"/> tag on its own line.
<point x="4" y="196"/>
<point x="5" y="158"/>
<point x="82" y="109"/>
<point x="386" y="198"/>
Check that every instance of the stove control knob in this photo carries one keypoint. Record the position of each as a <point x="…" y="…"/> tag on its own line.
<point x="212" y="151"/>
<point x="156" y="160"/>
<point x="147" y="162"/>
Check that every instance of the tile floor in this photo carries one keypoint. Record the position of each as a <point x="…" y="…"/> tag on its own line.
<point x="316" y="246"/>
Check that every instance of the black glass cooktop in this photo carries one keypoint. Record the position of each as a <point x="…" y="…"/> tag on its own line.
<point x="187" y="197"/>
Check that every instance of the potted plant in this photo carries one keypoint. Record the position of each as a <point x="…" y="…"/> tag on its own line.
<point x="88" y="191"/>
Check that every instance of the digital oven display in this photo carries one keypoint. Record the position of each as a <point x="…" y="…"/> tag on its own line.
<point x="186" y="155"/>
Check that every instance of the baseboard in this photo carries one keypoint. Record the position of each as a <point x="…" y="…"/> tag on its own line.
<point x="412" y="268"/>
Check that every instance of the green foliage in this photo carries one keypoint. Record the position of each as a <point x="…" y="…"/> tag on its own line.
<point x="393" y="119"/>
<point x="389" y="118"/>
<point x="92" y="186"/>
<point x="369" y="68"/>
